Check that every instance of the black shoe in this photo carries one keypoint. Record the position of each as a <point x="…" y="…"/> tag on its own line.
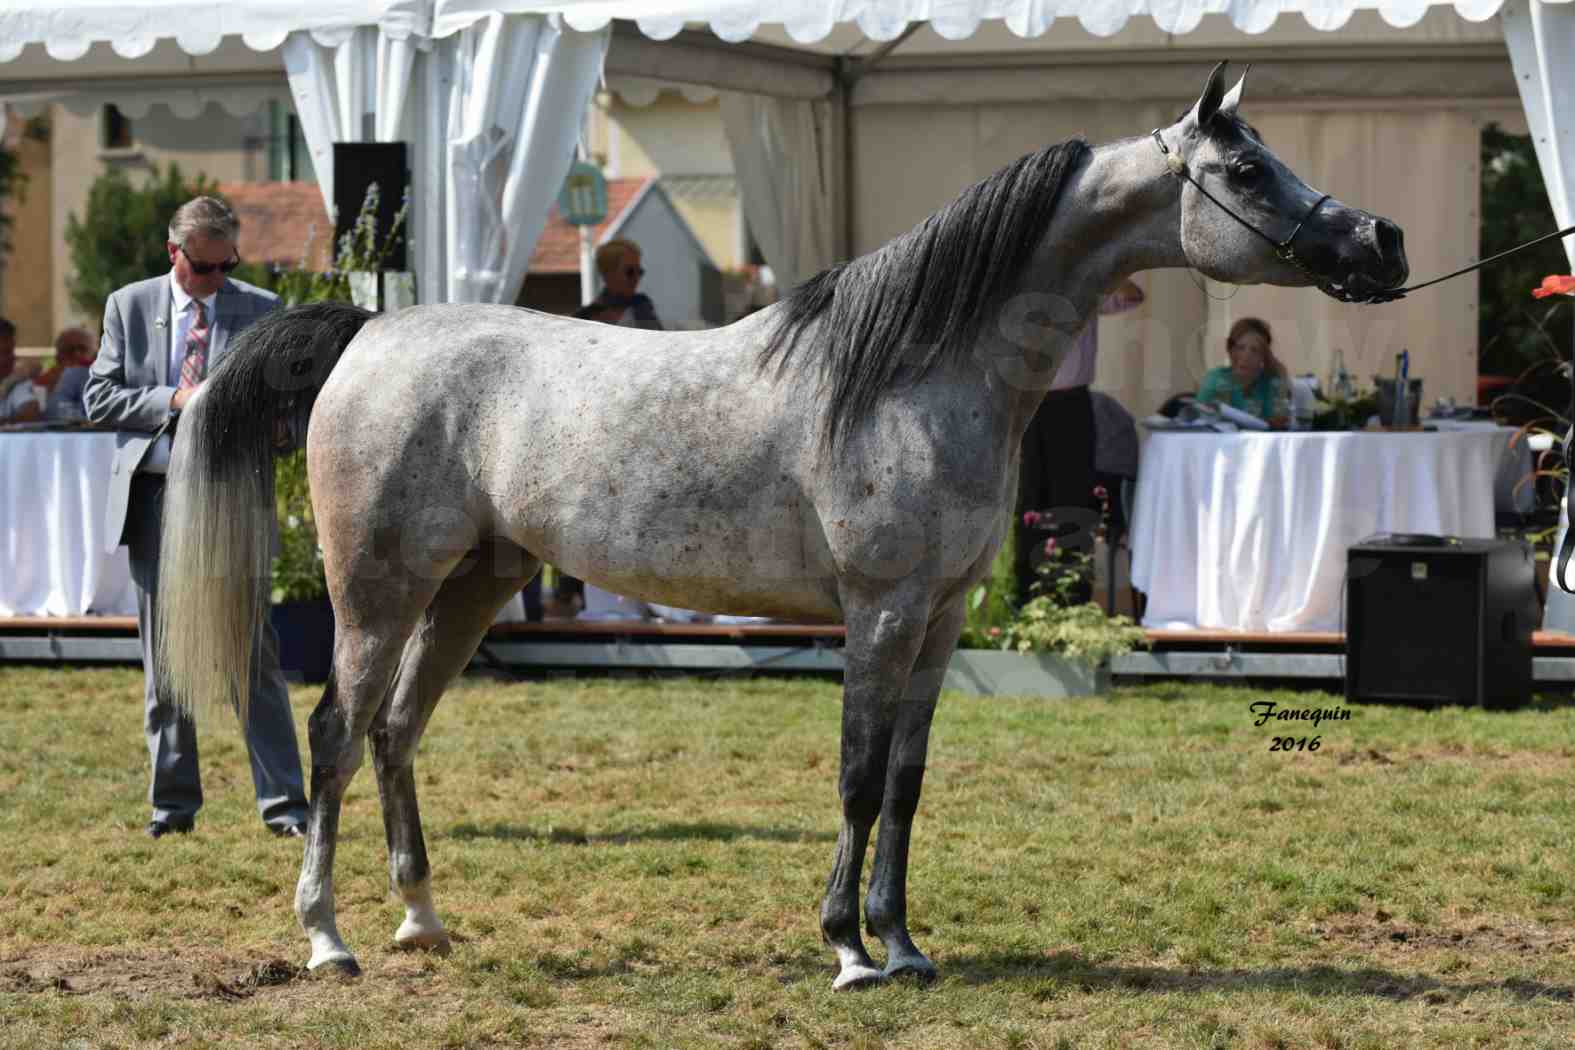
<point x="290" y="831"/>
<point x="175" y="825"/>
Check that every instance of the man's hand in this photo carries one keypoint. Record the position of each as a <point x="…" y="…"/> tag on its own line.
<point x="182" y="396"/>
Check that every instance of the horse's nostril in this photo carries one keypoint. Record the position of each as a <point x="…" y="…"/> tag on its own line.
<point x="1391" y="244"/>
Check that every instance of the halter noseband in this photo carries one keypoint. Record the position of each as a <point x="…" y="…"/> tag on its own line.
<point x="1283" y="250"/>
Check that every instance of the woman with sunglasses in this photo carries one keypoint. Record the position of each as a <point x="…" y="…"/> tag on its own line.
<point x="618" y="262"/>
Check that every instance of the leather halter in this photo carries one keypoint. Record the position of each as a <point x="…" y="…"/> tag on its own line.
<point x="1283" y="250"/>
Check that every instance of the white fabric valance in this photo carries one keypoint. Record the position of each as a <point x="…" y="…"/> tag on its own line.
<point x="67" y="28"/>
<point x="807" y="21"/>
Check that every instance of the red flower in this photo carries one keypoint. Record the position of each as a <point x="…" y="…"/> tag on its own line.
<point x="1555" y="285"/>
<point x="1030" y="518"/>
<point x="1050" y="547"/>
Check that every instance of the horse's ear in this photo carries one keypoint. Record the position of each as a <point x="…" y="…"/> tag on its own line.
<point x="1233" y="97"/>
<point x="1209" y="101"/>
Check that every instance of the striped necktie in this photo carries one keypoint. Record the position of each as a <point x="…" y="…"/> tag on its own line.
<point x="195" y="365"/>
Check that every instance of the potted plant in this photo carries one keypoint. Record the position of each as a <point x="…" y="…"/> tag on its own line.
<point x="1059" y="643"/>
<point x="301" y="613"/>
<point x="1546" y="431"/>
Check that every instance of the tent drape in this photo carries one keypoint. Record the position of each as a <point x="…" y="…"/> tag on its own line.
<point x="518" y="91"/>
<point x="782" y="151"/>
<point x="493" y="124"/>
<point x="352" y="91"/>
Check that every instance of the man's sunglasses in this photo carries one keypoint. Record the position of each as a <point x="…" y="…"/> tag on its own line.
<point x="634" y="271"/>
<point x="203" y="269"/>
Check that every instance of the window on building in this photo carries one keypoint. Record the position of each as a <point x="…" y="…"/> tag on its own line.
<point x="115" y="129"/>
<point x="288" y="157"/>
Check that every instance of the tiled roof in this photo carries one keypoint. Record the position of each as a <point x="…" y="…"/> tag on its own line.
<point x="558" y="250"/>
<point x="278" y="219"/>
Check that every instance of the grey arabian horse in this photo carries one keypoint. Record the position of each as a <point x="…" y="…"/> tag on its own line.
<point x="847" y="455"/>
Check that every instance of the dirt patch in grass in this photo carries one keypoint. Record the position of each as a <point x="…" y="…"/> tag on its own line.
<point x="1491" y="759"/>
<point x="1491" y="937"/>
<point x="142" y="975"/>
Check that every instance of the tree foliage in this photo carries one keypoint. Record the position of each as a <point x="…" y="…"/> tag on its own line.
<point x="13" y="181"/>
<point x="1516" y="332"/>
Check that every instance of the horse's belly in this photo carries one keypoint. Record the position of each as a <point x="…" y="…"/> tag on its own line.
<point x="765" y="562"/>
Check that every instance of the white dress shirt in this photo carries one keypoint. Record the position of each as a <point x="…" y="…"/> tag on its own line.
<point x="181" y="316"/>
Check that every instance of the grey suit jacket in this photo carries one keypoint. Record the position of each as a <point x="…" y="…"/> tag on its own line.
<point x="131" y="387"/>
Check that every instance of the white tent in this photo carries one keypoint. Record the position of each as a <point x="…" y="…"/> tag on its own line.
<point x="489" y="93"/>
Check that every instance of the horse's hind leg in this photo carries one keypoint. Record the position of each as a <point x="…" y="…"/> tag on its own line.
<point x="884" y="638"/>
<point x="366" y="657"/>
<point x="886" y="907"/>
<point x="441" y="646"/>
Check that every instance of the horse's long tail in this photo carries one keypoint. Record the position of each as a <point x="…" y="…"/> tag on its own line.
<point x="217" y="549"/>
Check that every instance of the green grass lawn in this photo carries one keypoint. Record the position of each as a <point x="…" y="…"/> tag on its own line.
<point x="639" y="863"/>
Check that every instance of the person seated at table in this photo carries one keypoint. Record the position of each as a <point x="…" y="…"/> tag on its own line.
<point x="18" y="403"/>
<point x="1253" y="379"/>
<point x="75" y="351"/>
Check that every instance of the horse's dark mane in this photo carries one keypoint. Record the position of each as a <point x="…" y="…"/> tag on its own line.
<point x="921" y="298"/>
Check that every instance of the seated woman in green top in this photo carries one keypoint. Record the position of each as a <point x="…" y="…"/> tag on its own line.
<point x="1253" y="379"/>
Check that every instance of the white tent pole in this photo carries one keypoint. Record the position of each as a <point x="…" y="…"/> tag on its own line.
<point x="429" y="189"/>
<point x="1541" y="39"/>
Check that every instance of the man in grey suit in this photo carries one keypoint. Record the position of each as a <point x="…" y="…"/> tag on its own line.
<point x="162" y="337"/>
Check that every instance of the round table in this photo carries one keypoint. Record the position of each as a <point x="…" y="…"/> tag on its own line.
<point x="1248" y="531"/>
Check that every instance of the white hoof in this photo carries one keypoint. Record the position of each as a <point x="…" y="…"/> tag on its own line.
<point x="422" y="930"/>
<point x="857" y="977"/>
<point x="415" y="937"/>
<point x="334" y="961"/>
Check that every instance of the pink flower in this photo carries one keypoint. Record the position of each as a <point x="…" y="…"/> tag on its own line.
<point x="1050" y="547"/>
<point x="995" y="632"/>
<point x="1555" y="285"/>
<point x="1100" y="493"/>
<point x="1030" y="518"/>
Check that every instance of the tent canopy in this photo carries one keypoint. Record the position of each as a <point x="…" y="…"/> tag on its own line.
<point x="66" y="28"/>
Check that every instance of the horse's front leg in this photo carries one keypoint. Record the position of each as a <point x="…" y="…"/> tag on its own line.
<point x="884" y="637"/>
<point x="886" y="907"/>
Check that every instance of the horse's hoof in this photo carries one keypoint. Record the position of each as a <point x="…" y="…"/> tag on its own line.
<point x="853" y="977"/>
<point x="916" y="967"/>
<point x="435" y="941"/>
<point x="336" y="964"/>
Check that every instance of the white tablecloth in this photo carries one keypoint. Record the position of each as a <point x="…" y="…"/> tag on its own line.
<point x="53" y="491"/>
<point x="1249" y="531"/>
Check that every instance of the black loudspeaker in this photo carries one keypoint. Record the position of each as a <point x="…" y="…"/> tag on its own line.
<point x="356" y="166"/>
<point x="1432" y="620"/>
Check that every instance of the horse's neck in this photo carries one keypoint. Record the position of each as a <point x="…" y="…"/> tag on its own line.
<point x="1119" y="213"/>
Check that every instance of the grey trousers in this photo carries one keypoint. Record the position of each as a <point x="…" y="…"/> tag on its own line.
<point x="176" y="786"/>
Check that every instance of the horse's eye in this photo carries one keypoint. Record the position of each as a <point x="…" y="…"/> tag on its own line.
<point x="1249" y="172"/>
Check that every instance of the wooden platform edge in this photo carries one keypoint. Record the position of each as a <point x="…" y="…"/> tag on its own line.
<point x="1543" y="640"/>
